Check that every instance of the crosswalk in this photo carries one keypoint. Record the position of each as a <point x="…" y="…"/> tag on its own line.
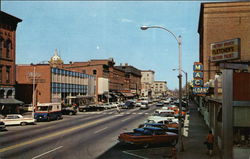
<point x="115" y="113"/>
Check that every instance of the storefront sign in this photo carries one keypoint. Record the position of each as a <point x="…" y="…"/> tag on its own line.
<point x="197" y="83"/>
<point x="198" y="66"/>
<point x="225" y="50"/>
<point x="200" y="90"/>
<point x="198" y="75"/>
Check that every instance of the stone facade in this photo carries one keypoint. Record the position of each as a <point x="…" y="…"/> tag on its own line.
<point x="147" y="82"/>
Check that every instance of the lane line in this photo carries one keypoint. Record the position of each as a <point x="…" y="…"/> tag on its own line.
<point x="47" y="152"/>
<point x="126" y="119"/>
<point x="55" y="134"/>
<point x="132" y="154"/>
<point x="100" y="130"/>
<point x="133" y="113"/>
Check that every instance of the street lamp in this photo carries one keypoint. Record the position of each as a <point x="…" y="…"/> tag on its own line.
<point x="34" y="91"/>
<point x="187" y="92"/>
<point x="180" y="144"/>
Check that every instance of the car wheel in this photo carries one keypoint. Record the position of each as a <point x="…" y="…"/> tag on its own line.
<point x="22" y="123"/>
<point x="70" y="113"/>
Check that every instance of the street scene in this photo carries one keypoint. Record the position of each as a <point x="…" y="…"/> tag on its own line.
<point x="127" y="80"/>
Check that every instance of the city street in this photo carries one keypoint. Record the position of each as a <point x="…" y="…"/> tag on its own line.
<point x="87" y="134"/>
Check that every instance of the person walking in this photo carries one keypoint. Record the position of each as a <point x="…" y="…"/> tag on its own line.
<point x="210" y="142"/>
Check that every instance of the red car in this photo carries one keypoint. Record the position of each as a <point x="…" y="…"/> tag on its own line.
<point x="148" y="135"/>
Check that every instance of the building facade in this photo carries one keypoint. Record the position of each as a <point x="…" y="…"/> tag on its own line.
<point x="160" y="88"/>
<point x="147" y="83"/>
<point x="8" y="26"/>
<point x="224" y="29"/>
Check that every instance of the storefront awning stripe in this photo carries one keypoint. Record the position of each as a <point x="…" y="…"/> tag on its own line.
<point x="8" y="101"/>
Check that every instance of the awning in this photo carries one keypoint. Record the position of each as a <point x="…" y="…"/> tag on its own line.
<point x="9" y="101"/>
<point x="128" y="94"/>
<point x="84" y="96"/>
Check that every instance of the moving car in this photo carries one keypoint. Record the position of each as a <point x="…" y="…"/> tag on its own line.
<point x="17" y="119"/>
<point x="148" y="135"/>
<point x="159" y="104"/>
<point x="128" y="105"/>
<point x="48" y="111"/>
<point x="144" y="105"/>
<point x="69" y="111"/>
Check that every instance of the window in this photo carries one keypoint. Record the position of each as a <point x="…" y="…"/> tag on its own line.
<point x="8" y="48"/>
<point x="8" y="74"/>
<point x="1" y="73"/>
<point x="94" y="72"/>
<point x="1" y="47"/>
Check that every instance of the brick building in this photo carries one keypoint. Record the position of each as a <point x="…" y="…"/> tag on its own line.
<point x="132" y="80"/>
<point x="8" y="26"/>
<point x="224" y="29"/>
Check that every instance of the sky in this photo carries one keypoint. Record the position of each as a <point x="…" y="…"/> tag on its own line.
<point x="85" y="30"/>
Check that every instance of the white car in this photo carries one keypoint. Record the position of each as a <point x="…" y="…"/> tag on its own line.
<point x="17" y="119"/>
<point x="162" y="116"/>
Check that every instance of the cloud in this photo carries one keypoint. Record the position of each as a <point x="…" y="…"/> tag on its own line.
<point x="97" y="47"/>
<point x="125" y="20"/>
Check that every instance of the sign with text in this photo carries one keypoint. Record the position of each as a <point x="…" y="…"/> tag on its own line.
<point x="225" y="50"/>
<point x="197" y="83"/>
<point x="200" y="90"/>
<point x="198" y="75"/>
<point x="198" y="66"/>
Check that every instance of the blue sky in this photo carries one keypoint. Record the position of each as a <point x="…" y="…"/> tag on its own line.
<point x="84" y="30"/>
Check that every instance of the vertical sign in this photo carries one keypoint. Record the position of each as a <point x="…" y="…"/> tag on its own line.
<point x="198" y="79"/>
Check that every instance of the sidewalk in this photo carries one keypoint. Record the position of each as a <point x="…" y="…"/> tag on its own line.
<point x="193" y="144"/>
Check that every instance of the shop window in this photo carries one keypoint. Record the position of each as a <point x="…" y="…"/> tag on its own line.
<point x="1" y="93"/>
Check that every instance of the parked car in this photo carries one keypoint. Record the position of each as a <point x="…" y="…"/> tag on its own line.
<point x="159" y="125"/>
<point x="69" y="111"/>
<point x="162" y="116"/>
<point x="168" y="123"/>
<point x="148" y="135"/>
<point x="17" y="119"/>
<point x="92" y="107"/>
<point x="2" y="126"/>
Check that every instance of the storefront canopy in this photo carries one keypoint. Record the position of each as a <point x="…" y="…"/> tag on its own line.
<point x="9" y="101"/>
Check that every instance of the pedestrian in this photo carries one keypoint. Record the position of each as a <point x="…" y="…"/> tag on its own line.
<point x="118" y="109"/>
<point x="210" y="142"/>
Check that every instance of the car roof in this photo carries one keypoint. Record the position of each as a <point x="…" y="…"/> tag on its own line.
<point x="154" y="124"/>
<point x="152" y="128"/>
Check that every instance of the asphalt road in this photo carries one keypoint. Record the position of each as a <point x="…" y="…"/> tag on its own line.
<point x="83" y="136"/>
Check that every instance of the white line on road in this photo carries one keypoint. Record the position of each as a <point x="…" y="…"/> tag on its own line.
<point x="133" y="113"/>
<point x="47" y="152"/>
<point x="139" y="113"/>
<point x="100" y="130"/>
<point x="126" y="119"/>
<point x="132" y="154"/>
<point x="146" y="113"/>
<point x="127" y="113"/>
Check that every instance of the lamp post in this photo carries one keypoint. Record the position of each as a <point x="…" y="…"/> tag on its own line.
<point x="178" y="39"/>
<point x="34" y="91"/>
<point x="187" y="92"/>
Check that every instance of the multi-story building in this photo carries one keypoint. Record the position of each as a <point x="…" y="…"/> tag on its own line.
<point x="132" y="79"/>
<point x="107" y="76"/>
<point x="54" y="84"/>
<point x="224" y="29"/>
<point x="160" y="88"/>
<point x="8" y="26"/>
<point x="147" y="83"/>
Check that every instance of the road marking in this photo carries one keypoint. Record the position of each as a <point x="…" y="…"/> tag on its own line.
<point x="100" y="130"/>
<point x="55" y="134"/>
<point x="134" y="113"/>
<point x="47" y="152"/>
<point x="126" y="119"/>
<point x="139" y="113"/>
<point x="134" y="155"/>
<point x="146" y="113"/>
<point x="127" y="113"/>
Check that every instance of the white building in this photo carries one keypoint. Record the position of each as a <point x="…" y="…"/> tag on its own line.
<point x="160" y="88"/>
<point x="147" y="83"/>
